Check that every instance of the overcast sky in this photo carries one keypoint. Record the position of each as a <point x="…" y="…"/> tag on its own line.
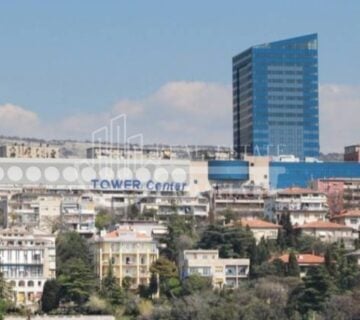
<point x="68" y="67"/>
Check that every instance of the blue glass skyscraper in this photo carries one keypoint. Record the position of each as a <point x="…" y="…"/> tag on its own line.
<point x="275" y="98"/>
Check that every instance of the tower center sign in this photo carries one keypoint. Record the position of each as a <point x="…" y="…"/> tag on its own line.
<point x="129" y="184"/>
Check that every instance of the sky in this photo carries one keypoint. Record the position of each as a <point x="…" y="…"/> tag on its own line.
<point x="68" y="67"/>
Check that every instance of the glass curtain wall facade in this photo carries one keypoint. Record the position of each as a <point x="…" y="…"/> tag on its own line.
<point x="275" y="98"/>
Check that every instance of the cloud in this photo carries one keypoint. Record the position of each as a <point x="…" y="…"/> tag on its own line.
<point x="339" y="116"/>
<point x="177" y="113"/>
<point x="16" y="120"/>
<point x="187" y="112"/>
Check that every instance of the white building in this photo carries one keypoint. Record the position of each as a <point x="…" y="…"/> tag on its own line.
<point x="78" y="214"/>
<point x="182" y="205"/>
<point x="330" y="232"/>
<point x="206" y="263"/>
<point x="303" y="205"/>
<point x="245" y="201"/>
<point x="260" y="228"/>
<point x="349" y="218"/>
<point x="27" y="260"/>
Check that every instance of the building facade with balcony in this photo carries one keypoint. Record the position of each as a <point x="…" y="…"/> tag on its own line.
<point x="130" y="253"/>
<point x="349" y="218"/>
<point x="27" y="260"/>
<point x="330" y="232"/>
<point x="206" y="263"/>
<point x="303" y="205"/>
<point x="244" y="201"/>
<point x="165" y="205"/>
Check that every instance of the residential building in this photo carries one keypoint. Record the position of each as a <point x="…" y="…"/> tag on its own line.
<point x="275" y="98"/>
<point x="206" y="263"/>
<point x="352" y="153"/>
<point x="330" y="232"/>
<point x="303" y="205"/>
<point x="246" y="201"/>
<point x="28" y="151"/>
<point x="305" y="261"/>
<point x="155" y="229"/>
<point x="342" y="193"/>
<point x="129" y="152"/>
<point x="27" y="260"/>
<point x="260" y="228"/>
<point x="130" y="253"/>
<point x="349" y="218"/>
<point x="78" y="214"/>
<point x="182" y="205"/>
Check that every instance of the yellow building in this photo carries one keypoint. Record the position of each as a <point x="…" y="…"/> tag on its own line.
<point x="130" y="252"/>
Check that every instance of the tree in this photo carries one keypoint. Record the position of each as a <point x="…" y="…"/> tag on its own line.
<point x="168" y="274"/>
<point x="315" y="292"/>
<point x="195" y="283"/>
<point x="231" y="242"/>
<point x="77" y="281"/>
<point x="51" y="295"/>
<point x="293" y="267"/>
<point x="287" y="229"/>
<point x="126" y="283"/>
<point x="70" y="245"/>
<point x="110" y="288"/>
<point x="153" y="285"/>
<point x="178" y="228"/>
<point x="103" y="219"/>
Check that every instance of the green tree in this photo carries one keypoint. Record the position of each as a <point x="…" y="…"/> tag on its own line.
<point x="293" y="269"/>
<point x="231" y="242"/>
<point x="168" y="275"/>
<point x="195" y="283"/>
<point x="77" y="281"/>
<point x="287" y="229"/>
<point x="313" y="295"/>
<point x="153" y="285"/>
<point x="103" y="219"/>
<point x="126" y="283"/>
<point x="51" y="295"/>
<point x="110" y="288"/>
<point x="71" y="245"/>
<point x="178" y="228"/>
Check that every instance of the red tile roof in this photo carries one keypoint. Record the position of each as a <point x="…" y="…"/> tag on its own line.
<point x="257" y="224"/>
<point x="348" y="213"/>
<point x="303" y="259"/>
<point x="322" y="225"/>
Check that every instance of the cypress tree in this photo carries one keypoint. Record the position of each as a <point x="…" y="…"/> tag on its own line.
<point x="293" y="267"/>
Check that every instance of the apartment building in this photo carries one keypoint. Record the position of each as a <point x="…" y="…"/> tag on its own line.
<point x="130" y="253"/>
<point x="206" y="263"/>
<point x="170" y="204"/>
<point x="349" y="218"/>
<point x="27" y="260"/>
<point x="78" y="214"/>
<point x="303" y="205"/>
<point x="22" y="150"/>
<point x="330" y="232"/>
<point x="129" y="152"/>
<point x="260" y="228"/>
<point x="245" y="201"/>
<point x="33" y="210"/>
